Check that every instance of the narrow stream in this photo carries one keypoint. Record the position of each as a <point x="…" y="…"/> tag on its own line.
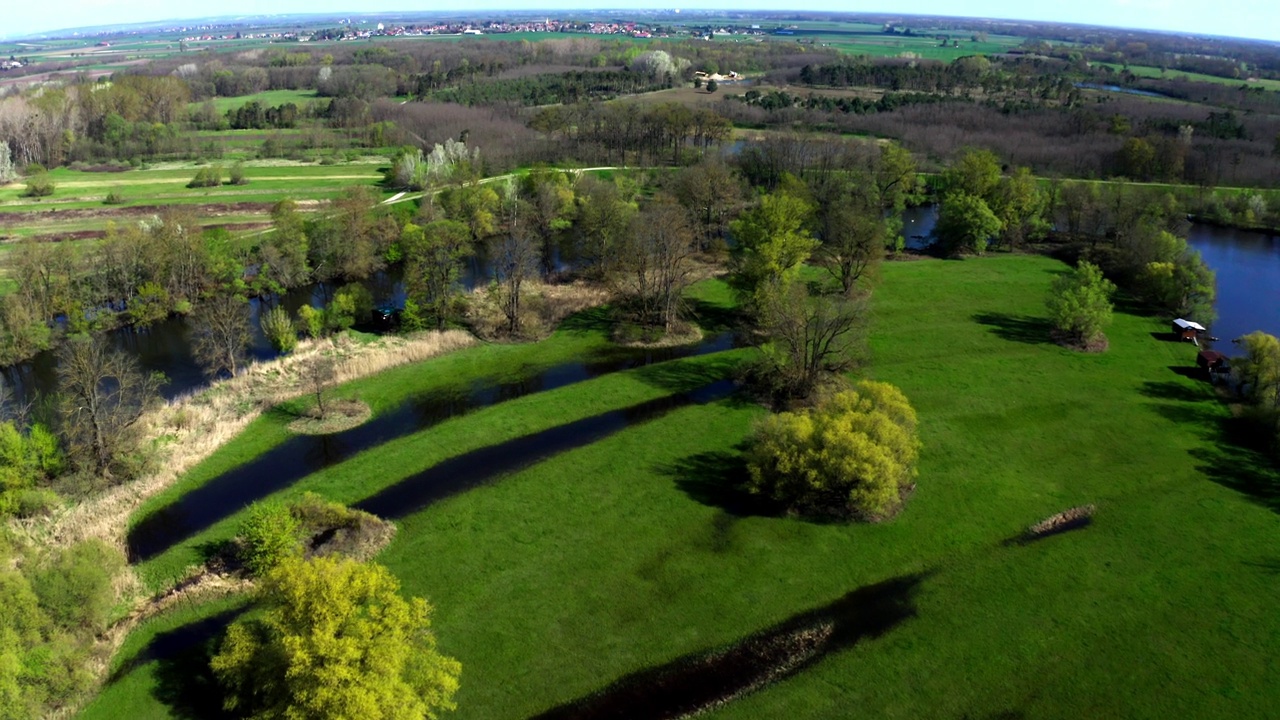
<point x="302" y="455"/>
<point x="475" y="468"/>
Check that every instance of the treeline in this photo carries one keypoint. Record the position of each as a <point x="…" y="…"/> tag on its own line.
<point x="415" y="69"/>
<point x="553" y="89"/>
<point x="781" y="99"/>
<point x="633" y="133"/>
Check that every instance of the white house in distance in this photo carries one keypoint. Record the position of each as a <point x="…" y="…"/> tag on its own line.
<point x="730" y="77"/>
<point x="10" y="64"/>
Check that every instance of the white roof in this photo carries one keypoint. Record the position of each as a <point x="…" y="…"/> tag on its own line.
<point x="1187" y="324"/>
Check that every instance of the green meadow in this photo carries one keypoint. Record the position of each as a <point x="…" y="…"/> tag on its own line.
<point x="627" y="554"/>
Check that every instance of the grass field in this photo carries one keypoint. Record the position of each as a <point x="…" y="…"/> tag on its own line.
<point x="77" y="204"/>
<point x="269" y="98"/>
<point x="1155" y="72"/>
<point x="632" y="552"/>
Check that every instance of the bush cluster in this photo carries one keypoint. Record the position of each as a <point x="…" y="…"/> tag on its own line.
<point x="852" y="456"/>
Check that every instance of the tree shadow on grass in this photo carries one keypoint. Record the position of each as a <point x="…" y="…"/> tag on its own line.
<point x="704" y="680"/>
<point x="184" y="681"/>
<point x="596" y="319"/>
<point x="1240" y="460"/>
<point x="1017" y="328"/>
<point x="1237" y="451"/>
<point x="718" y="479"/>
<point x="713" y="317"/>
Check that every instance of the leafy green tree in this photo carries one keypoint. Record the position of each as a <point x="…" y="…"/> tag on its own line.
<point x="335" y="639"/>
<point x="151" y="305"/>
<point x="433" y="258"/>
<point x="27" y="460"/>
<point x="712" y="86"/>
<point x="1184" y="287"/>
<point x="965" y="224"/>
<point x="75" y="586"/>
<point x="269" y="535"/>
<point x="351" y="305"/>
<point x="852" y="232"/>
<point x="278" y="327"/>
<point x="1020" y="205"/>
<point x="310" y="321"/>
<point x="603" y="221"/>
<point x="1079" y="305"/>
<point x="1260" y="369"/>
<point x="1137" y="160"/>
<point x="854" y="454"/>
<point x="773" y="241"/>
<point x="975" y="172"/>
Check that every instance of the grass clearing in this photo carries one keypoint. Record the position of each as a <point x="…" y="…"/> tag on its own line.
<point x="630" y="553"/>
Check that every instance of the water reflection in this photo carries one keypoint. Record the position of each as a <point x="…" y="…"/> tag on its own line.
<point x="302" y="455"/>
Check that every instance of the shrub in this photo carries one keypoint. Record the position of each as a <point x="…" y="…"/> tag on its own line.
<point x="1079" y="305"/>
<point x="207" y="177"/>
<point x="237" y="175"/>
<point x="334" y="638"/>
<point x="351" y="305"/>
<point x="26" y="460"/>
<point x="279" y="329"/>
<point x="310" y="321"/>
<point x="854" y="455"/>
<point x="113" y="198"/>
<point x="75" y="586"/>
<point x="268" y="536"/>
<point x="39" y="186"/>
<point x="150" y="305"/>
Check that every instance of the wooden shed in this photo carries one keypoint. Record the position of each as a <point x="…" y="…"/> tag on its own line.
<point x="1187" y="330"/>
<point x="1212" y="361"/>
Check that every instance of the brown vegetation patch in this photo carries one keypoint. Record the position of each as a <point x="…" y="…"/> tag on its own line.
<point x="544" y="306"/>
<point x="1097" y="345"/>
<point x="1065" y="521"/>
<point x="26" y="217"/>
<point x="681" y="334"/>
<point x="338" y="415"/>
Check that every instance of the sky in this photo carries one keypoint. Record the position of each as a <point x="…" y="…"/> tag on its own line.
<point x="1241" y="18"/>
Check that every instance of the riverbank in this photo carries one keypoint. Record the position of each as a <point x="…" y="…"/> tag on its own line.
<point x="614" y="562"/>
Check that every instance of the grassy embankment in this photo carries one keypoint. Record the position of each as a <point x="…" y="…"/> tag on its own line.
<point x="628" y="553"/>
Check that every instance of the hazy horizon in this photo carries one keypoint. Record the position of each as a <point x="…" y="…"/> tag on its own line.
<point x="1251" y="19"/>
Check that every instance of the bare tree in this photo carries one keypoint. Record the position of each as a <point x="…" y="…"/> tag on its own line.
<point x="515" y="261"/>
<point x="318" y="374"/>
<point x="103" y="395"/>
<point x="220" y="333"/>
<point x="655" y="263"/>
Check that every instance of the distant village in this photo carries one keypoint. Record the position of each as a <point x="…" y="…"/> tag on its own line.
<point x="11" y="64"/>
<point x="349" y="31"/>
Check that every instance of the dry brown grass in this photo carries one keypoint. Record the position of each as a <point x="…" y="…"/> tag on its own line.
<point x="339" y="415"/>
<point x="545" y="305"/>
<point x="188" y="429"/>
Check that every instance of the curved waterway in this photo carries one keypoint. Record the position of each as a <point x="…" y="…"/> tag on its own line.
<point x="302" y="455"/>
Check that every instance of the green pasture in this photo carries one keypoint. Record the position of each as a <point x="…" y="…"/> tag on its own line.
<point x="628" y="554"/>
<point x="1155" y="72"/>
<point x="268" y="98"/>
